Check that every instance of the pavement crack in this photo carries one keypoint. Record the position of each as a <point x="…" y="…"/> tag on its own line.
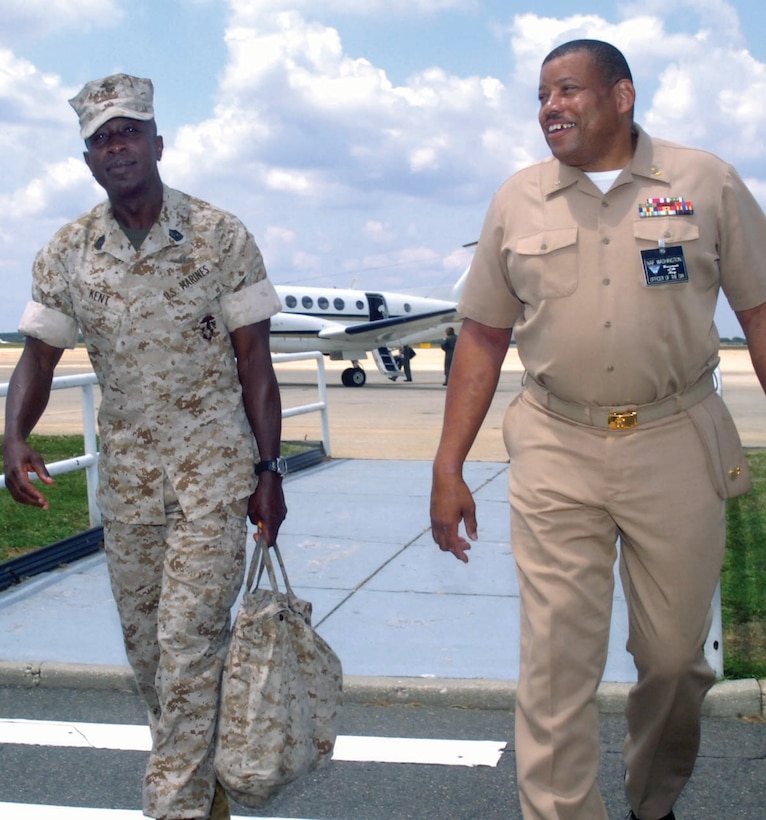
<point x="363" y="583"/>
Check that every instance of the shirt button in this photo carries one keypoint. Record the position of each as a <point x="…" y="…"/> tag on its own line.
<point x="607" y="324"/>
<point x="605" y="240"/>
<point x="606" y="281"/>
<point x="610" y="368"/>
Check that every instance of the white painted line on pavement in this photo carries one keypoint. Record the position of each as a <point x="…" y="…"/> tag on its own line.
<point x="424" y="751"/>
<point x="348" y="748"/>
<point x="123" y="737"/>
<point x="33" y="811"/>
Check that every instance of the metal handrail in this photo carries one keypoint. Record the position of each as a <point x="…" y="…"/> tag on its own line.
<point x="318" y="406"/>
<point x="88" y="461"/>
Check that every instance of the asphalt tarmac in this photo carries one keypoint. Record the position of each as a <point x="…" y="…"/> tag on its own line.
<point x="40" y="781"/>
<point x="398" y="420"/>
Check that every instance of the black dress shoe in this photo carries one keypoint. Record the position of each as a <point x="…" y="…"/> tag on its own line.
<point x="668" y="816"/>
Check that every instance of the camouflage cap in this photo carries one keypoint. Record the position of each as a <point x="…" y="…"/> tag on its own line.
<point x="118" y="95"/>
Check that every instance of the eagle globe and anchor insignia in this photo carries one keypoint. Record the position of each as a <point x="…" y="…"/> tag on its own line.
<point x="208" y="327"/>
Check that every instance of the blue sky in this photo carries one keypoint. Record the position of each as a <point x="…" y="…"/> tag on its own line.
<point x="359" y="140"/>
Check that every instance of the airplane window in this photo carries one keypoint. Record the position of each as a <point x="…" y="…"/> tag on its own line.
<point x="407" y="307"/>
<point x="359" y="304"/>
<point x="307" y="302"/>
<point x="290" y="301"/>
<point x="323" y="303"/>
<point x="338" y="303"/>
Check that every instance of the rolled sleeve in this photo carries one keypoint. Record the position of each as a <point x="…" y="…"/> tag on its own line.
<point x="250" y="304"/>
<point x="743" y="245"/>
<point x="48" y="325"/>
<point x="488" y="297"/>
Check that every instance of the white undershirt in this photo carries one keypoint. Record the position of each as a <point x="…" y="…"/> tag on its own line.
<point x="603" y="179"/>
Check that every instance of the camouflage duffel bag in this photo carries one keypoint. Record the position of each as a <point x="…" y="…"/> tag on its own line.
<point x="280" y="692"/>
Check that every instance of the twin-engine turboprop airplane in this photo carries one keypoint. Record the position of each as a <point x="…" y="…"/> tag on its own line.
<point x="347" y="323"/>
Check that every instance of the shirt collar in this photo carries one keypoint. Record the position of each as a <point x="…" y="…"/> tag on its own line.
<point x="645" y="163"/>
<point x="166" y="231"/>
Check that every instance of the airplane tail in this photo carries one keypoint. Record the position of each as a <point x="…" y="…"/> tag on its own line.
<point x="447" y="293"/>
<point x="457" y="288"/>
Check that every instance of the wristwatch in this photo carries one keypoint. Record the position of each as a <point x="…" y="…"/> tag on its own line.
<point x="275" y="465"/>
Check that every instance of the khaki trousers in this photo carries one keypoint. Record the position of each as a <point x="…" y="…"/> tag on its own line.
<point x="175" y="585"/>
<point x="574" y="491"/>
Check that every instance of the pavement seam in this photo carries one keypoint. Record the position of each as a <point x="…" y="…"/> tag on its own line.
<point x="363" y="583"/>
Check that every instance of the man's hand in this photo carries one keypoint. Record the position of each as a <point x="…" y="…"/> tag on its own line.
<point x="260" y="394"/>
<point x="451" y="503"/>
<point x="267" y="508"/>
<point x="20" y="459"/>
<point x="479" y="354"/>
<point x="28" y="393"/>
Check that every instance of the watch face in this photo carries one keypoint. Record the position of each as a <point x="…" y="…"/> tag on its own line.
<point x="277" y="465"/>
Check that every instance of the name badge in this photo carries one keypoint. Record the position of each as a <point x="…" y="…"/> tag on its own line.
<point x="664" y="266"/>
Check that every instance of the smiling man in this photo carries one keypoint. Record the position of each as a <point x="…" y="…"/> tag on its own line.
<point x="584" y="107"/>
<point x="172" y="299"/>
<point x="605" y="261"/>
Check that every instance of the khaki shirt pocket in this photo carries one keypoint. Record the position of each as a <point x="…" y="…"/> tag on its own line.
<point x="725" y="457"/>
<point x="543" y="265"/>
<point x="100" y="309"/>
<point x="672" y="230"/>
<point x="185" y="305"/>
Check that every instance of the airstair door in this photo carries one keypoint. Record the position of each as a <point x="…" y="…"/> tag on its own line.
<point x="386" y="363"/>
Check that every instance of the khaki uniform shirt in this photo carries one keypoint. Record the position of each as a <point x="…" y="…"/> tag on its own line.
<point x="156" y="323"/>
<point x="561" y="263"/>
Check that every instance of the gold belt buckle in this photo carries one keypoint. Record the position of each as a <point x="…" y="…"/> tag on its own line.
<point x="623" y="421"/>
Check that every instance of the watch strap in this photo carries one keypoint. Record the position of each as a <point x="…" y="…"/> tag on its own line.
<point x="274" y="465"/>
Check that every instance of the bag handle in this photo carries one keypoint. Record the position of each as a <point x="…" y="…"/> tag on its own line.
<point x="261" y="561"/>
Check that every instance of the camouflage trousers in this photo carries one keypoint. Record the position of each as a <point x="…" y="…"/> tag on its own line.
<point x="175" y="585"/>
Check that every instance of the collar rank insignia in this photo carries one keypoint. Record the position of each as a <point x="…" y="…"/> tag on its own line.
<point x="666" y="206"/>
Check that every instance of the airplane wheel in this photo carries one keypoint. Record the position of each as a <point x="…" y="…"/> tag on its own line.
<point x="358" y="377"/>
<point x="353" y="377"/>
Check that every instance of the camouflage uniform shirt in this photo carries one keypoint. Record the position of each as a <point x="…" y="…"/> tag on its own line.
<point x="156" y="322"/>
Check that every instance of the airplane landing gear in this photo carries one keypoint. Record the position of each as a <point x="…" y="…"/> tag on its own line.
<point x="353" y="377"/>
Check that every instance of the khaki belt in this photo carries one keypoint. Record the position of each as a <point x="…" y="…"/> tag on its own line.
<point x="620" y="418"/>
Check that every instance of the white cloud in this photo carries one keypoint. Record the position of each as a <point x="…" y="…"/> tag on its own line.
<point x="278" y="233"/>
<point x="288" y="181"/>
<point x="378" y="231"/>
<point x="365" y="8"/>
<point x="717" y="17"/>
<point x="297" y="115"/>
<point x="36" y="19"/>
<point x="31" y="215"/>
<point x="757" y="186"/>
<point x="715" y="99"/>
<point x="46" y="194"/>
<point x="326" y="158"/>
<point x="698" y="85"/>
<point x="28" y="95"/>
<point x="37" y="126"/>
